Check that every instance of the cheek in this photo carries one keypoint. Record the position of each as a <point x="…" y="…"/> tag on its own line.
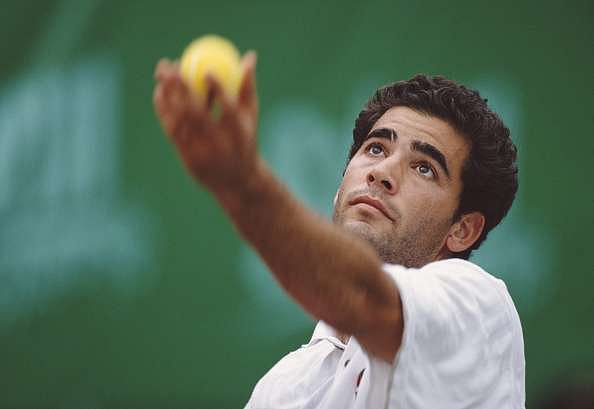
<point x="351" y="180"/>
<point x="348" y="184"/>
<point x="355" y="173"/>
<point x="428" y="203"/>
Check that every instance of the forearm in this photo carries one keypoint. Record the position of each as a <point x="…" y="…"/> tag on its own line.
<point x="334" y="275"/>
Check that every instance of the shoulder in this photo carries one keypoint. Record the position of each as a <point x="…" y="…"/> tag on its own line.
<point x="461" y="329"/>
<point x="455" y="276"/>
<point x="451" y="266"/>
<point x="453" y="291"/>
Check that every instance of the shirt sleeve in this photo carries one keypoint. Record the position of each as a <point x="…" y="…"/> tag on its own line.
<point x="460" y="339"/>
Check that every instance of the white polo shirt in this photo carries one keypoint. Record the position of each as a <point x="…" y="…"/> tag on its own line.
<point x="462" y="347"/>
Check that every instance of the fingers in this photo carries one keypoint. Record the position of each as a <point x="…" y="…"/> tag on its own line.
<point x="178" y="110"/>
<point x="187" y="118"/>
<point x="168" y="87"/>
<point x="216" y="92"/>
<point x="161" y="68"/>
<point x="165" y="68"/>
<point x="247" y="91"/>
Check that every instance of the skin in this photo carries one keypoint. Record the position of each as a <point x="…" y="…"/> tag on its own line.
<point x="333" y="270"/>
<point x="417" y="192"/>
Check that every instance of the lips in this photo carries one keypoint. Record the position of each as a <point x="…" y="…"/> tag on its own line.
<point x="373" y="203"/>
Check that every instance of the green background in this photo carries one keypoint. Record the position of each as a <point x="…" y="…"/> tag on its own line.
<point x="121" y="282"/>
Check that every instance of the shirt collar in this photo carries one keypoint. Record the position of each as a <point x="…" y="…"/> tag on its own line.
<point x="325" y="331"/>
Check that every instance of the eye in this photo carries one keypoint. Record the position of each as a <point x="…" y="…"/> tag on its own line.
<point x="425" y="170"/>
<point x="375" y="149"/>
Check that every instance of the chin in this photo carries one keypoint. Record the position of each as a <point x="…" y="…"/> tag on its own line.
<point x="360" y="228"/>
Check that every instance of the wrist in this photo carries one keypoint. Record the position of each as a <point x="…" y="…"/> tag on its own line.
<point x="249" y="185"/>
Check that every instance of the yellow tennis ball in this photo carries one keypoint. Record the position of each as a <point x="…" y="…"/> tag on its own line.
<point x="215" y="55"/>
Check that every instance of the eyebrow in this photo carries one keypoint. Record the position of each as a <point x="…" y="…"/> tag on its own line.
<point x="432" y="152"/>
<point x="418" y="146"/>
<point x="385" y="133"/>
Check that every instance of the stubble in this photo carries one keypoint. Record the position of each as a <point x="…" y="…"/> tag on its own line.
<point x="411" y="244"/>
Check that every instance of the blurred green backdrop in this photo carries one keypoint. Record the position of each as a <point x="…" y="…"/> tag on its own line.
<point x="121" y="282"/>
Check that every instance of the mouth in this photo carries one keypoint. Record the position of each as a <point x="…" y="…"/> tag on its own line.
<point x="376" y="204"/>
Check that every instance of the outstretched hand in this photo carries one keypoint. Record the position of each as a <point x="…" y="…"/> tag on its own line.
<point x="219" y="152"/>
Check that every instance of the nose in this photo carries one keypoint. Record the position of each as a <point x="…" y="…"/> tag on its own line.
<point x="379" y="177"/>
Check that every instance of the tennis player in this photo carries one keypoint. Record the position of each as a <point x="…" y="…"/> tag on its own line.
<point x="405" y="321"/>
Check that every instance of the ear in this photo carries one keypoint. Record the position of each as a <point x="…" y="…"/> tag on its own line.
<point x="465" y="232"/>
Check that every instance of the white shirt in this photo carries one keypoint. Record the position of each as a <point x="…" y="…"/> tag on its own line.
<point x="462" y="347"/>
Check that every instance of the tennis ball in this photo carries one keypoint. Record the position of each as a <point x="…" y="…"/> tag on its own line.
<point x="215" y="55"/>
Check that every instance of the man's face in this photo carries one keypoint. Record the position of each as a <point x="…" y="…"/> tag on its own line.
<point x="402" y="187"/>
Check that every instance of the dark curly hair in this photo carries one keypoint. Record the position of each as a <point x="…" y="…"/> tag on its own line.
<point x="490" y="173"/>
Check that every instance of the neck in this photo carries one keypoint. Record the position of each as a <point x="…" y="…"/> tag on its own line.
<point x="344" y="338"/>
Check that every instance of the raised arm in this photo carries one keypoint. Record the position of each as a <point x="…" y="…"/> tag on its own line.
<point x="333" y="275"/>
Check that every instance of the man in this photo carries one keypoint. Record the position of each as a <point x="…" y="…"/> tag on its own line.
<point x="404" y="320"/>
